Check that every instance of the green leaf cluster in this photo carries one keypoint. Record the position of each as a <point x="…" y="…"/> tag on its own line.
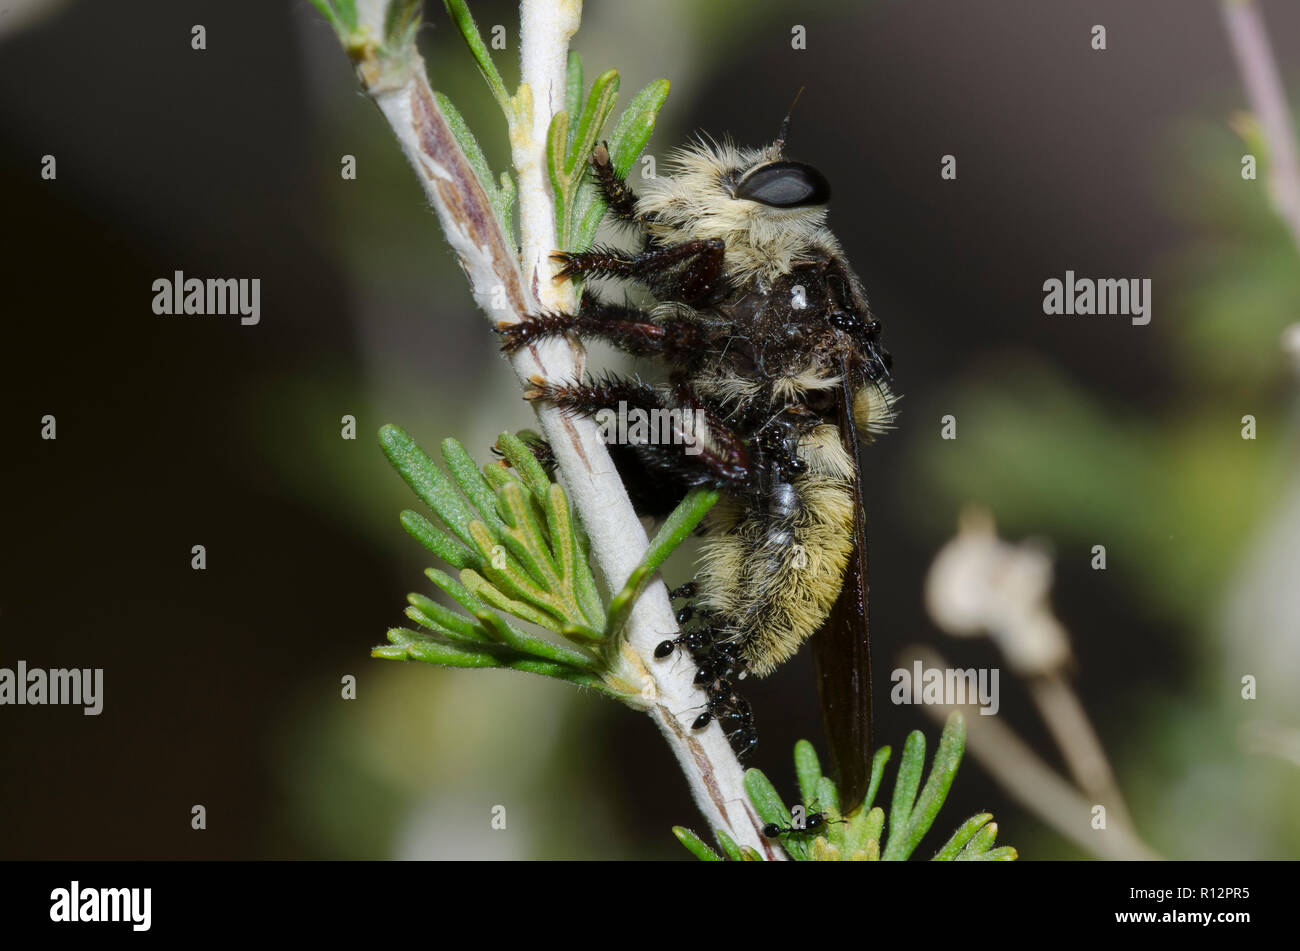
<point x="519" y="551"/>
<point x="579" y="202"/>
<point x="864" y="835"/>
<point x="512" y="537"/>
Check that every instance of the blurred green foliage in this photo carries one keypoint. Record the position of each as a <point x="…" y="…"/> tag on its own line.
<point x="1176" y="495"/>
<point x="1178" y="498"/>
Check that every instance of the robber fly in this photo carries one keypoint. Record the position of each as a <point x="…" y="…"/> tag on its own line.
<point x="771" y="347"/>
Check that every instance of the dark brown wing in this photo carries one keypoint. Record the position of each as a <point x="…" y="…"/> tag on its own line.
<point x="841" y="649"/>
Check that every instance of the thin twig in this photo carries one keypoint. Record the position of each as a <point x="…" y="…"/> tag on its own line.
<point x="1022" y="774"/>
<point x="1078" y="742"/>
<point x="508" y="292"/>
<point x="982" y="585"/>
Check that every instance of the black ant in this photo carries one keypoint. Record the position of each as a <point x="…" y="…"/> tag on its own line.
<point x="812" y="822"/>
<point x="718" y="664"/>
<point x="733" y="712"/>
<point x="695" y="641"/>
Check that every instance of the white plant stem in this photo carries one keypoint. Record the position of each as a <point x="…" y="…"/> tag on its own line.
<point x="508" y="287"/>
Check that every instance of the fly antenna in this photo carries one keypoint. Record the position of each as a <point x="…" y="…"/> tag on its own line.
<point x="785" y="123"/>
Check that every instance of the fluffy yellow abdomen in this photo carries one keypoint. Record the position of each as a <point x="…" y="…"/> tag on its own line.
<point x="771" y="579"/>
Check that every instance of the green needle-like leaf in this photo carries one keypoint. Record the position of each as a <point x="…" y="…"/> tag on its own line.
<point x="438" y="541"/>
<point x="770" y="808"/>
<point x="872" y="829"/>
<point x="635" y="125"/>
<point x="464" y="21"/>
<point x="524" y="539"/>
<point x="466" y="473"/>
<point x="963" y="835"/>
<point x="504" y="205"/>
<point x="828" y="802"/>
<point x="905" y="787"/>
<point x="572" y="89"/>
<point x="859" y="829"/>
<point x="585" y="584"/>
<point x="451" y="633"/>
<point x="455" y="590"/>
<point x="536" y="646"/>
<point x="416" y="646"/>
<point x="582" y="604"/>
<point x="942" y="771"/>
<point x="500" y="477"/>
<point x="579" y="201"/>
<point x="559" y="527"/>
<point x="491" y="594"/>
<point x="676" y="529"/>
<point x="877" y="773"/>
<point x="456" y="625"/>
<point x="695" y="845"/>
<point x="808" y="769"/>
<point x="903" y="839"/>
<point x="527" y="555"/>
<point x="557" y="148"/>
<point x="502" y="630"/>
<point x="828" y="797"/>
<point x="407" y="644"/>
<point x="525" y="464"/>
<point x="728" y="845"/>
<point x="600" y="103"/>
<point x="502" y="569"/>
<point x="501" y="198"/>
<point x="767" y="801"/>
<point x="1003" y="853"/>
<point x="979" y="843"/>
<point x="626" y="143"/>
<point x="427" y="481"/>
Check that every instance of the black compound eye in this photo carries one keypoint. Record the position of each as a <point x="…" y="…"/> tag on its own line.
<point x="785" y="185"/>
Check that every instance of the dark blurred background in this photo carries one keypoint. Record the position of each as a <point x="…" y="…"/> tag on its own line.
<point x="223" y="685"/>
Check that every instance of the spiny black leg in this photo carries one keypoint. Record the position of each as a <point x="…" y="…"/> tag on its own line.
<point x="588" y="398"/>
<point x="691" y="443"/>
<point x="621" y="198"/>
<point x="694" y="268"/>
<point x="626" y="327"/>
<point x="619" y="324"/>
